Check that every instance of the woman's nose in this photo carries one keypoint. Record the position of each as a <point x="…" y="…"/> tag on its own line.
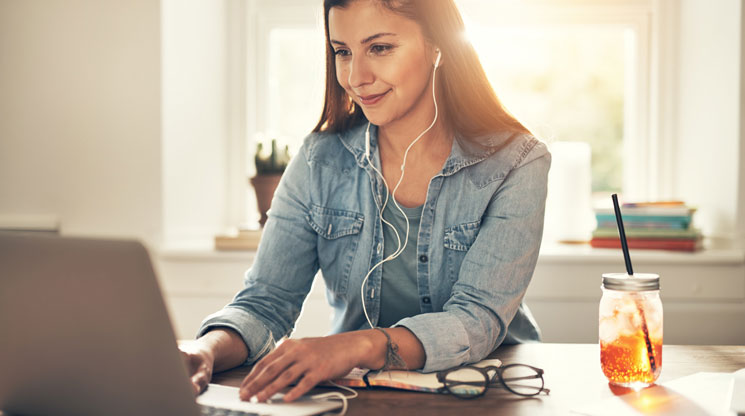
<point x="359" y="72"/>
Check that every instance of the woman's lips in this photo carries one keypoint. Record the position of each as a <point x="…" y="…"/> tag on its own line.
<point x="372" y="99"/>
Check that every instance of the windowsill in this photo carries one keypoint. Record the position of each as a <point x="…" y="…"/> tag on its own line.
<point x="712" y="254"/>
<point x="200" y="251"/>
<point x="551" y="253"/>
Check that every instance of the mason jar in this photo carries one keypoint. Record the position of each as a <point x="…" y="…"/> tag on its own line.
<point x="630" y="329"/>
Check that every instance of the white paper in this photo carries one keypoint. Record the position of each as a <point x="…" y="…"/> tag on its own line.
<point x="700" y="394"/>
<point x="737" y="392"/>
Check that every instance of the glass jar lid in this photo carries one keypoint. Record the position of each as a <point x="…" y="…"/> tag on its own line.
<point x="638" y="282"/>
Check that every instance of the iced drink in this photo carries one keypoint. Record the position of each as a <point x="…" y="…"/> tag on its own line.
<point x="630" y="329"/>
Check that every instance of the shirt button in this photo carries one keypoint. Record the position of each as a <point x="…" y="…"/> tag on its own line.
<point x="423" y="258"/>
<point x="426" y="300"/>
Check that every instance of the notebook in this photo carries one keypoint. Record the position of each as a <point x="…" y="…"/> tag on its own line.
<point x="84" y="331"/>
<point x="402" y="380"/>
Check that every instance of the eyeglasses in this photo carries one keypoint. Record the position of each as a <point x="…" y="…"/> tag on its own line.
<point x="469" y="382"/>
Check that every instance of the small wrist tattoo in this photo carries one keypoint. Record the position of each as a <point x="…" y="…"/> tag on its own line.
<point x="392" y="358"/>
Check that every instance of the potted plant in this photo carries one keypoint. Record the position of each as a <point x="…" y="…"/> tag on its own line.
<point x="269" y="169"/>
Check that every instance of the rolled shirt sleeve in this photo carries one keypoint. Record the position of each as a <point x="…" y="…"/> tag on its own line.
<point x="257" y="337"/>
<point x="494" y="275"/>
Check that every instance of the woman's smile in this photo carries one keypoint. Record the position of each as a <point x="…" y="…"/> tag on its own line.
<point x="368" y="100"/>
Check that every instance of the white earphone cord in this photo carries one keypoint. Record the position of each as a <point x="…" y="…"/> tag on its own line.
<point x="400" y="248"/>
<point x="337" y="395"/>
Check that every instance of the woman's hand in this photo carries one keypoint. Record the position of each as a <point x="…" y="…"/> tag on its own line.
<point x="218" y="350"/>
<point x="308" y="361"/>
<point x="200" y="362"/>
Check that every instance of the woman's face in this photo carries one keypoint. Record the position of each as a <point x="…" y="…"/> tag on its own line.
<point x="382" y="61"/>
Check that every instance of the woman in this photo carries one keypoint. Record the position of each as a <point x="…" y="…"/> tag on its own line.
<point x="407" y="103"/>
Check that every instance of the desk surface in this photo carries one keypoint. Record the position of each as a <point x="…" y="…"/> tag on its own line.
<point x="572" y="372"/>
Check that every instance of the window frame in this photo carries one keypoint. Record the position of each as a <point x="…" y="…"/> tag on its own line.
<point x="649" y="124"/>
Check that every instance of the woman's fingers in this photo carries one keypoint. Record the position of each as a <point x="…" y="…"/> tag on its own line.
<point x="199" y="382"/>
<point x="303" y="386"/>
<point x="267" y="371"/>
<point x="286" y="378"/>
<point x="309" y="360"/>
<point x="259" y="367"/>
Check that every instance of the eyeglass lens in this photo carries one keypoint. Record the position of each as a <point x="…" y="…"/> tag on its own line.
<point x="522" y="379"/>
<point x="466" y="382"/>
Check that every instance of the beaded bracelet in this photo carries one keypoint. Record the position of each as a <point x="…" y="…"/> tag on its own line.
<point x="392" y="358"/>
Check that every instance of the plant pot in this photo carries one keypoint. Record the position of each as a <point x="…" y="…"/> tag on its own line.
<point x="264" y="186"/>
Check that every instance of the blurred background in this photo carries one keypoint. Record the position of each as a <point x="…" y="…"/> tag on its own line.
<point x="141" y="119"/>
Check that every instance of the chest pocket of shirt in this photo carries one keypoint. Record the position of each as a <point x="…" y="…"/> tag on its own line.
<point x="458" y="239"/>
<point x="338" y="232"/>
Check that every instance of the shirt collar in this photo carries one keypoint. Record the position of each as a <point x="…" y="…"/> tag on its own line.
<point x="463" y="152"/>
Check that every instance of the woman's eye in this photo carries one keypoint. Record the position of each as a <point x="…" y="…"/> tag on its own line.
<point x="380" y="49"/>
<point x="341" y="52"/>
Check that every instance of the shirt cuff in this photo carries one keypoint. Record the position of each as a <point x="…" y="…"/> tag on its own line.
<point x="255" y="335"/>
<point x="445" y="340"/>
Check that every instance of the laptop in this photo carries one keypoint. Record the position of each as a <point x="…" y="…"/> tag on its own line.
<point x="84" y="331"/>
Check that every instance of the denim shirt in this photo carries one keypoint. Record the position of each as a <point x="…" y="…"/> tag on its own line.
<point x="478" y="243"/>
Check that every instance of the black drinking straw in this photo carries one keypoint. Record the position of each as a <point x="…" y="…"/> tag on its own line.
<point x="630" y="271"/>
<point x="622" y="234"/>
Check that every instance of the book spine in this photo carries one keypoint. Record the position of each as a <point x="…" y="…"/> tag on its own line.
<point x="645" y="225"/>
<point x="655" y="211"/>
<point x="659" y="244"/>
<point x="645" y="218"/>
<point x="646" y="233"/>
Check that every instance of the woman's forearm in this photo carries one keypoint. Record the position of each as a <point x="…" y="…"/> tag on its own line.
<point x="227" y="346"/>
<point x="410" y="348"/>
<point x="230" y="351"/>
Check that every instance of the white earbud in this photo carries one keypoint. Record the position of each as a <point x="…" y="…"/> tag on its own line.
<point x="439" y="55"/>
<point x="367" y="142"/>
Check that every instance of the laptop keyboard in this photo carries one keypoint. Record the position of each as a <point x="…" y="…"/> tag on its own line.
<point x="218" y="411"/>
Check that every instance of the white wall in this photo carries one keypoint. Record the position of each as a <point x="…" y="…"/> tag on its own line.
<point x="708" y="155"/>
<point x="195" y="120"/>
<point x="740" y="233"/>
<point x="80" y="114"/>
<point x="703" y="294"/>
<point x="113" y="116"/>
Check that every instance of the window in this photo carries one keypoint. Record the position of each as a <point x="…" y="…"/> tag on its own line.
<point x="570" y="70"/>
<point x="565" y="83"/>
<point x="296" y="81"/>
<point x="290" y="68"/>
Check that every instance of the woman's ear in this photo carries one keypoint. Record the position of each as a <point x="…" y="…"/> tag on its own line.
<point x="438" y="60"/>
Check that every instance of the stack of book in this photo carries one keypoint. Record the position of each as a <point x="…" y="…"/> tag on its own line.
<point x="649" y="225"/>
<point x="238" y="239"/>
